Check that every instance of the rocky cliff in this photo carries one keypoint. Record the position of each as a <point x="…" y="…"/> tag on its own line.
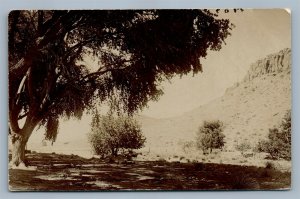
<point x="273" y="63"/>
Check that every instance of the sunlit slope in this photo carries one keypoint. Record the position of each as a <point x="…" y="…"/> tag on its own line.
<point x="248" y="109"/>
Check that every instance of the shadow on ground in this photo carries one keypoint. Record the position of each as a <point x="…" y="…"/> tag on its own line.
<point x="72" y="173"/>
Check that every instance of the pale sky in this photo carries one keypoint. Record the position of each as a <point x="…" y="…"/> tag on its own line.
<point x="257" y="34"/>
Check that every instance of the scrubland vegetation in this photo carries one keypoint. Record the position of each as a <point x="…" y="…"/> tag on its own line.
<point x="278" y="145"/>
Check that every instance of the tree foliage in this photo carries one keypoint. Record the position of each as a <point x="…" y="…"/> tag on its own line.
<point x="279" y="140"/>
<point x="111" y="134"/>
<point x="210" y="136"/>
<point x="49" y="75"/>
<point x="136" y="49"/>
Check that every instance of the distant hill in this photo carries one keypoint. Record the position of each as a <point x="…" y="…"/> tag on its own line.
<point x="248" y="109"/>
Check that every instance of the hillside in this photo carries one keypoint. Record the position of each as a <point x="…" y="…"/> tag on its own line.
<point x="248" y="109"/>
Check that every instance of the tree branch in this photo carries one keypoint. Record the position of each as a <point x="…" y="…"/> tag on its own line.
<point x="22" y="116"/>
<point x="47" y="32"/>
<point x="40" y="20"/>
<point x="101" y="72"/>
<point x="43" y="38"/>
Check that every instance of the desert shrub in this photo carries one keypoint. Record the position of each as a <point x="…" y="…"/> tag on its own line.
<point x="210" y="136"/>
<point x="243" y="147"/>
<point x="110" y="134"/>
<point x="262" y="146"/>
<point x="278" y="144"/>
<point x="269" y="165"/>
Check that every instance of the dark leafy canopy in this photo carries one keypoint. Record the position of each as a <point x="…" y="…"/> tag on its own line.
<point x="136" y="49"/>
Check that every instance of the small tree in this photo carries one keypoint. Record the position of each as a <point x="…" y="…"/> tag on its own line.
<point x="109" y="134"/>
<point x="279" y="143"/>
<point x="210" y="136"/>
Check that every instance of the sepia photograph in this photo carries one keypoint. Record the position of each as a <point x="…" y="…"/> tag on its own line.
<point x="149" y="100"/>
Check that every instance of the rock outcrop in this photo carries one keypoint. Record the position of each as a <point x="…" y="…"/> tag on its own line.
<point x="273" y="63"/>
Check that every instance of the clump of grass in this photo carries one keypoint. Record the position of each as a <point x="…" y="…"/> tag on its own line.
<point x="243" y="161"/>
<point x="243" y="147"/>
<point x="269" y="165"/>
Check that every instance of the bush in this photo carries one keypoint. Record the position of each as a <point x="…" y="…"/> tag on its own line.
<point x="243" y="147"/>
<point x="278" y="144"/>
<point x="270" y="165"/>
<point x="210" y="136"/>
<point x="111" y="134"/>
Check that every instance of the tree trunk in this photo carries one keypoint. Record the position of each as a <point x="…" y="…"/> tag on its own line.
<point x="19" y="141"/>
<point x="114" y="151"/>
<point x="18" y="150"/>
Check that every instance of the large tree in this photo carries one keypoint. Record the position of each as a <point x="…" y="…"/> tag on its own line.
<point x="135" y="49"/>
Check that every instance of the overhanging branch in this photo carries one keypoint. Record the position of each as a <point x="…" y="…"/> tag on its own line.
<point x="101" y="72"/>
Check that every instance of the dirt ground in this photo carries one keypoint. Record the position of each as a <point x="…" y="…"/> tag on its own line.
<point x="54" y="172"/>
